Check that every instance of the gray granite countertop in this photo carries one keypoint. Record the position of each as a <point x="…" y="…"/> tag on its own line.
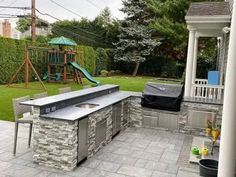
<point x="66" y="96"/>
<point x="74" y="113"/>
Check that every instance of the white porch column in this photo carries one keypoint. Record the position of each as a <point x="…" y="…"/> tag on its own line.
<point x="189" y="66"/>
<point x="228" y="132"/>
<point x="195" y="60"/>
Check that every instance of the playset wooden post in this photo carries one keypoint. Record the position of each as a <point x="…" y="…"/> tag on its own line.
<point x="65" y="68"/>
<point x="27" y="63"/>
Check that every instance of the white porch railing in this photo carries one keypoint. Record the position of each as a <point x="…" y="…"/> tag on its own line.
<point x="201" y="81"/>
<point x="201" y="89"/>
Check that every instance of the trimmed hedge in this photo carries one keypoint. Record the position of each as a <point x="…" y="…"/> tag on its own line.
<point x="11" y="56"/>
<point x="89" y="58"/>
<point x="101" y="60"/>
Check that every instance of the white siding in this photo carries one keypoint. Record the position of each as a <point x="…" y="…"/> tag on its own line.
<point x="231" y="2"/>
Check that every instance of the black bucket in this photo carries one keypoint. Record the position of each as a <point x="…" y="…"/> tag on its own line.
<point x="208" y="167"/>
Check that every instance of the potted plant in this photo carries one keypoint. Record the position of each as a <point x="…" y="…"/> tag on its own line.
<point x="209" y="128"/>
<point x="215" y="133"/>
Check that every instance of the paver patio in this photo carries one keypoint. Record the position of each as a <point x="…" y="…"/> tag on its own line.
<point x="135" y="152"/>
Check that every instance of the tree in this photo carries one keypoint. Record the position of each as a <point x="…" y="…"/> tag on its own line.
<point x="100" y="32"/>
<point x="170" y="25"/>
<point x="135" y="41"/>
<point x="23" y="24"/>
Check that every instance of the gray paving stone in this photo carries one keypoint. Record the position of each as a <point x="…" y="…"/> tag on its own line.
<point x="91" y="163"/>
<point x="80" y="172"/>
<point x="126" y="160"/>
<point x="161" y="174"/>
<point x="58" y="175"/>
<point x="155" y="150"/>
<point x="135" y="152"/>
<point x="107" y="157"/>
<point x="134" y="171"/>
<point x="4" y="165"/>
<point x="173" y="169"/>
<point x="146" y="155"/>
<point x="141" y="163"/>
<point x="20" y="161"/>
<point x="43" y="174"/>
<point x="152" y="165"/>
<point x="187" y="174"/>
<point x="101" y="173"/>
<point x="21" y="171"/>
<point x="141" y="143"/>
<point x="108" y="166"/>
<point x="2" y="175"/>
<point x="122" y="151"/>
<point x="7" y="156"/>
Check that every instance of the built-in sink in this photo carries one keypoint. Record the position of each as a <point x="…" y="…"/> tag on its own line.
<point x="87" y="105"/>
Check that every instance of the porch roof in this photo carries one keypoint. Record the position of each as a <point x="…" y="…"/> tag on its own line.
<point x="212" y="13"/>
<point x="209" y="9"/>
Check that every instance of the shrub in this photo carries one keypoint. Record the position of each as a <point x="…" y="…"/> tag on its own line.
<point x="104" y="73"/>
<point x="11" y="56"/>
<point x="112" y="73"/>
<point x="101" y="60"/>
<point x="89" y="57"/>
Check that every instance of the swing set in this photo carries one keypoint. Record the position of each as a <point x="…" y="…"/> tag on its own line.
<point x="56" y="60"/>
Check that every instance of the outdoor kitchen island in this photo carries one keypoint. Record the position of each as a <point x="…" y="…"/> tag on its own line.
<point x="73" y="126"/>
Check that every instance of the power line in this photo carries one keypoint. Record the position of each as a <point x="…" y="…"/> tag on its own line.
<point x="95" y="5"/>
<point x="15" y="15"/>
<point x="47" y="14"/>
<point x="68" y="31"/>
<point x="66" y="9"/>
<point x="81" y="29"/>
<point x="9" y="5"/>
<point x="78" y="35"/>
<point x="12" y="16"/>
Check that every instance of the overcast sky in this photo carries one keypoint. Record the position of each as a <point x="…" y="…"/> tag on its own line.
<point x="84" y="8"/>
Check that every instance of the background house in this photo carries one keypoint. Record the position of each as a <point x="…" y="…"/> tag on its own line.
<point x="6" y="30"/>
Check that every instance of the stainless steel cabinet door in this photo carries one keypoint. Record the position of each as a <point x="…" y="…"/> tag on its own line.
<point x="82" y="139"/>
<point x="116" y="118"/>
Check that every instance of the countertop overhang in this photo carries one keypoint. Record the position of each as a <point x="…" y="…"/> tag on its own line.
<point x="72" y="113"/>
<point x="67" y="96"/>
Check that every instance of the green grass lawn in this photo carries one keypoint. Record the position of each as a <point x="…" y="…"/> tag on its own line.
<point x="6" y="93"/>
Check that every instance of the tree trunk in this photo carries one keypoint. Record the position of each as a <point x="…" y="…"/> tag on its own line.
<point x="136" y="69"/>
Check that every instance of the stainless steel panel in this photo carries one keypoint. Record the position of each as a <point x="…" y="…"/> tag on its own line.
<point x="82" y="139"/>
<point x="198" y="119"/>
<point x="116" y="118"/>
<point x="100" y="134"/>
<point x="126" y="115"/>
<point x="169" y="121"/>
<point x="150" y="122"/>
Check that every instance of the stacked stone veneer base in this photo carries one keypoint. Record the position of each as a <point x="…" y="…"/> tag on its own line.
<point x="55" y="143"/>
<point x="93" y="119"/>
<point x="175" y="121"/>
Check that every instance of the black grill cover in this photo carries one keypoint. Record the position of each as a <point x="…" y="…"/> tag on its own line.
<point x="162" y="96"/>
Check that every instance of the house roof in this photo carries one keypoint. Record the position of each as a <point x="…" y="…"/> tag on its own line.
<point x="209" y="9"/>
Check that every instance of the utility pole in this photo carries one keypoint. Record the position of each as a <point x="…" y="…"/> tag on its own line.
<point x="33" y="21"/>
